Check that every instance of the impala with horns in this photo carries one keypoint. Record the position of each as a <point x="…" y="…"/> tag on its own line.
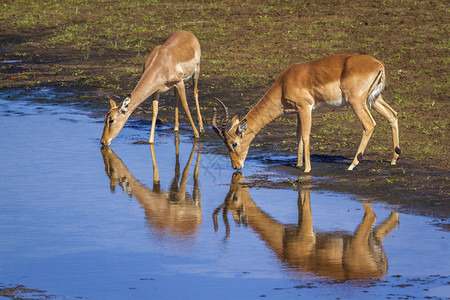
<point x="167" y="66"/>
<point x="334" y="81"/>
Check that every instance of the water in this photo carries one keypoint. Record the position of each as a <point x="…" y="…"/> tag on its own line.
<point x="79" y="221"/>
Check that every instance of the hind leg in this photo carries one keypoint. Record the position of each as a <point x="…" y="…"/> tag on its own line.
<point x="391" y="115"/>
<point x="363" y="113"/>
<point x="299" y="142"/>
<point x="182" y="95"/>
<point x="199" y="115"/>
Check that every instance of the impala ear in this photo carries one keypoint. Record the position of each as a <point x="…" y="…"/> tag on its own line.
<point x="112" y="103"/>
<point x="124" y="105"/>
<point x="242" y="127"/>
<point x="235" y="120"/>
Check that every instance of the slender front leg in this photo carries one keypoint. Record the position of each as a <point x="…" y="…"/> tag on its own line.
<point x="199" y="115"/>
<point x="155" y="115"/>
<point x="182" y="93"/>
<point x="369" y="124"/>
<point x="305" y="120"/>
<point x="299" y="142"/>
<point x="391" y="115"/>
<point x="177" y="99"/>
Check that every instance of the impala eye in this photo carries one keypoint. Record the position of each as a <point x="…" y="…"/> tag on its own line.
<point x="110" y="121"/>
<point x="234" y="145"/>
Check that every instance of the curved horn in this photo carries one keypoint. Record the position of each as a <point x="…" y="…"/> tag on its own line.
<point x="225" y="121"/>
<point x="214" y="123"/>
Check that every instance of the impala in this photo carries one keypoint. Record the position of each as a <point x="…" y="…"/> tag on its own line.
<point x="333" y="81"/>
<point x="171" y="213"/>
<point x="335" y="254"/>
<point x="167" y="66"/>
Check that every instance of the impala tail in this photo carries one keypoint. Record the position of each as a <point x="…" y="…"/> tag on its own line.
<point x="376" y="89"/>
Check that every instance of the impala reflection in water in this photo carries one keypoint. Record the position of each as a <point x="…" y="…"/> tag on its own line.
<point x="335" y="255"/>
<point x="174" y="213"/>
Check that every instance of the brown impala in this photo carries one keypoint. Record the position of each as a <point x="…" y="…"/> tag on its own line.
<point x="333" y="81"/>
<point x="173" y="214"/>
<point x="168" y="65"/>
<point x="336" y="254"/>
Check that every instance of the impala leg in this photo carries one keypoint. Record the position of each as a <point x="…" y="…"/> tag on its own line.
<point x="299" y="142"/>
<point x="368" y="124"/>
<point x="391" y="115"/>
<point x="154" y="117"/>
<point x="177" y="100"/>
<point x="305" y="120"/>
<point x="182" y="94"/>
<point x="197" y="105"/>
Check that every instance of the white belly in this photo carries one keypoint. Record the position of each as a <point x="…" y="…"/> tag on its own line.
<point x="188" y="75"/>
<point x="334" y="104"/>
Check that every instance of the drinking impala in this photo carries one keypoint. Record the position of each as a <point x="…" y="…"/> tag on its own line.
<point x="333" y="81"/>
<point x="167" y="66"/>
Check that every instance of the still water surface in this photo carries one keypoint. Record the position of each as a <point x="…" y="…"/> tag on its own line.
<point x="172" y="221"/>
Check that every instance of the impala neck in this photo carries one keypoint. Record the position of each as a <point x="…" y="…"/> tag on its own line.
<point x="268" y="108"/>
<point x="150" y="83"/>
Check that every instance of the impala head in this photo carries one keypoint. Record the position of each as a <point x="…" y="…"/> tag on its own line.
<point x="114" y="120"/>
<point x="232" y="138"/>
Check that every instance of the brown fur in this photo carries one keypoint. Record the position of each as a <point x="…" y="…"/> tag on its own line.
<point x="165" y="67"/>
<point x="330" y="81"/>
